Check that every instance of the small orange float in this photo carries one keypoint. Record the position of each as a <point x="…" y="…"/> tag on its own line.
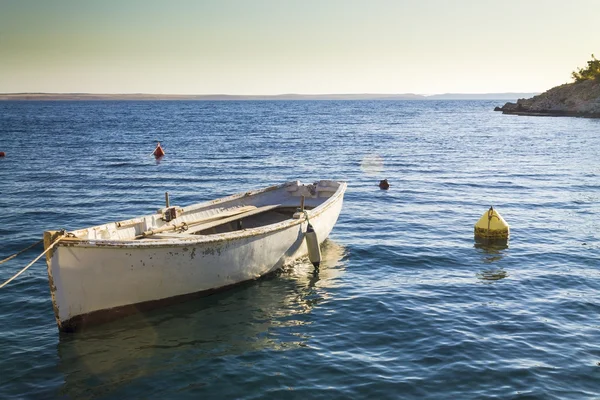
<point x="2" y="154"/>
<point x="158" y="152"/>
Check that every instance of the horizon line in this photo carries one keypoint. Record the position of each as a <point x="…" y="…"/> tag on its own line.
<point x="261" y="95"/>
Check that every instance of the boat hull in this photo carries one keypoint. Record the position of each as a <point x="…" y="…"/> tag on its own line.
<point x="96" y="281"/>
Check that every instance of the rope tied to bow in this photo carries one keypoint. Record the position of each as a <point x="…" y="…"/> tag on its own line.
<point x="63" y="235"/>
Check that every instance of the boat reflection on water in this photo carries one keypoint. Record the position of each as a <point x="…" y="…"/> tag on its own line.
<point x="267" y="314"/>
<point x="492" y="252"/>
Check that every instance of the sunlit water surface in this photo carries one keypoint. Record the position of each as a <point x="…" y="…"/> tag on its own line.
<point x="405" y="305"/>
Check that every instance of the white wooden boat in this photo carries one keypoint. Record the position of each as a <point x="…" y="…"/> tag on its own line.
<point x="104" y="272"/>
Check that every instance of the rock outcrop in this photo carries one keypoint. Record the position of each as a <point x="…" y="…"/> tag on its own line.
<point x="579" y="99"/>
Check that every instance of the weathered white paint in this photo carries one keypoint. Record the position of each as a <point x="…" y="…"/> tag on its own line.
<point x="103" y="267"/>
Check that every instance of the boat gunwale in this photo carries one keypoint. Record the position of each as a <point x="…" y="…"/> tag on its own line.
<point x="219" y="237"/>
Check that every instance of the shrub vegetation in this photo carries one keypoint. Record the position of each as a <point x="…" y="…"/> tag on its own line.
<point x="591" y="72"/>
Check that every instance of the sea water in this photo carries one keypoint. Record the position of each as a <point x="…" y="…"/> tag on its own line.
<point x="405" y="305"/>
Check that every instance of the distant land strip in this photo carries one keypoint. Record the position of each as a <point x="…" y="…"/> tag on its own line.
<point x="224" y="97"/>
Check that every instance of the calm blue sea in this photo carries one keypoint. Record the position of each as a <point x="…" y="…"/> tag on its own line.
<point x="405" y="305"/>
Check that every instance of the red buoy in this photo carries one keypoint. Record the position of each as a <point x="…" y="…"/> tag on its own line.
<point x="158" y="152"/>
<point x="2" y="154"/>
<point x="384" y="184"/>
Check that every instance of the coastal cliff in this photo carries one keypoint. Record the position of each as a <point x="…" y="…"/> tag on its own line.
<point x="578" y="99"/>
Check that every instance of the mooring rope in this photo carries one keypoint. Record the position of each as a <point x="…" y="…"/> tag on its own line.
<point x="22" y="251"/>
<point x="306" y="216"/>
<point x="490" y="216"/>
<point x="31" y="263"/>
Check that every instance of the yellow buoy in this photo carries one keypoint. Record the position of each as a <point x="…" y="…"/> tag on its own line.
<point x="491" y="226"/>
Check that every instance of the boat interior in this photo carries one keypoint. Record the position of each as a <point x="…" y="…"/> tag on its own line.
<point x="267" y="217"/>
<point x="244" y="211"/>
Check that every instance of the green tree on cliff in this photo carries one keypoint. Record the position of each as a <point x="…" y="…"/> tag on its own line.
<point x="591" y="72"/>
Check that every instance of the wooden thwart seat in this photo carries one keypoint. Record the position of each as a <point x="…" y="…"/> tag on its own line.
<point x="178" y="227"/>
<point x="208" y="225"/>
<point x="210" y="222"/>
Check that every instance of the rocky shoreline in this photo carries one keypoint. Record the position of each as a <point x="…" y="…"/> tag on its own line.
<point x="579" y="99"/>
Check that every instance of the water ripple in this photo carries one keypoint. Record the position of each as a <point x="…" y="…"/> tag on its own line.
<point x="405" y="305"/>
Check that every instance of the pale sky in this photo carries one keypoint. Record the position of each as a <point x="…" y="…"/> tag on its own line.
<point x="294" y="46"/>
